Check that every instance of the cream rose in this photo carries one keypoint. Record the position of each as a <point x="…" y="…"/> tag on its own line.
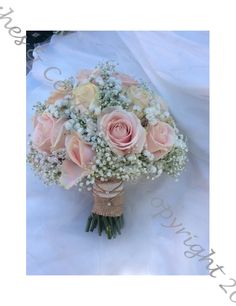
<point x="160" y="139"/>
<point x="123" y="132"/>
<point x="49" y="133"/>
<point x="77" y="165"/>
<point x="138" y="96"/>
<point x="85" y="95"/>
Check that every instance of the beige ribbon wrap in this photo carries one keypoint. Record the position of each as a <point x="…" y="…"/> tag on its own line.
<point x="108" y="198"/>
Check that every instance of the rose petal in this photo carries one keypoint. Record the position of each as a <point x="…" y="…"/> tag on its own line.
<point x="71" y="174"/>
<point x="160" y="139"/>
<point x="152" y="145"/>
<point x="78" y="151"/>
<point x="141" y="141"/>
<point x="42" y="133"/>
<point x="40" y="143"/>
<point x="58" y="134"/>
<point x="86" y="154"/>
<point x="72" y="149"/>
<point x="160" y="153"/>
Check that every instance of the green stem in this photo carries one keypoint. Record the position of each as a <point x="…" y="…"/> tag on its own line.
<point x="100" y="225"/>
<point x="110" y="225"/>
<point x="88" y="223"/>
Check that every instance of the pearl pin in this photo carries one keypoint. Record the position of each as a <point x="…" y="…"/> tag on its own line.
<point x="109" y="204"/>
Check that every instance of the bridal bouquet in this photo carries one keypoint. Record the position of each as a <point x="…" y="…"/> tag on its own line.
<point x="102" y="130"/>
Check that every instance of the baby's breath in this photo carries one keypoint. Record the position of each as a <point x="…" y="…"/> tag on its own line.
<point x="46" y="166"/>
<point x="107" y="164"/>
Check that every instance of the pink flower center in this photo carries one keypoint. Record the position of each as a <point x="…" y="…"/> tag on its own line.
<point x="120" y="131"/>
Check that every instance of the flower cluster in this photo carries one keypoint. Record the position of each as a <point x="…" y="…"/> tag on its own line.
<point x="47" y="166"/>
<point x="104" y="126"/>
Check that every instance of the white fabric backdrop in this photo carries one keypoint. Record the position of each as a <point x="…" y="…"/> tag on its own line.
<point x="176" y="64"/>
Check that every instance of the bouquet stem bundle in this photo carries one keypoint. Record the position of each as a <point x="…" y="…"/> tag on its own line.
<point x="101" y="131"/>
<point x="107" y="211"/>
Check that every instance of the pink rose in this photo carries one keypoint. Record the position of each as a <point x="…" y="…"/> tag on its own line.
<point x="160" y="139"/>
<point x="123" y="132"/>
<point x="125" y="79"/>
<point x="80" y="155"/>
<point x="49" y="133"/>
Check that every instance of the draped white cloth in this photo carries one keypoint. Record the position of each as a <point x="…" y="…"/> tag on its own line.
<point x="176" y="64"/>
